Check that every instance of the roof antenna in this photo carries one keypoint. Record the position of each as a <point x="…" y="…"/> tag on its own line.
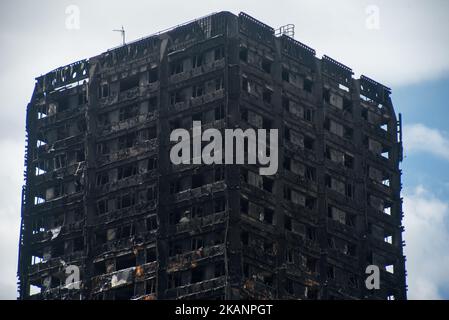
<point x="122" y="31"/>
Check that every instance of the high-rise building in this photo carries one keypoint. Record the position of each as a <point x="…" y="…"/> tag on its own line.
<point x="107" y="215"/>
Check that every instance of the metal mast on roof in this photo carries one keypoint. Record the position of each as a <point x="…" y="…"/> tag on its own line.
<point x="122" y="31"/>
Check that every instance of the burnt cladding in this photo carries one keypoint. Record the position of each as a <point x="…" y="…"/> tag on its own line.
<point x="106" y="215"/>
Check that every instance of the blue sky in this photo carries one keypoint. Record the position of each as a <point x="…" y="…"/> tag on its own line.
<point x="400" y="43"/>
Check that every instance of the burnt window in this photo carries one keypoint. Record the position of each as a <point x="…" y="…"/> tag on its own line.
<point x="267" y="184"/>
<point x="152" y="164"/>
<point x="219" y="112"/>
<point x="102" y="148"/>
<point x="268" y="215"/>
<point x="127" y="141"/>
<point x="219" y="269"/>
<point x="308" y="85"/>
<point x="102" y="178"/>
<point x="197" y="91"/>
<point x="102" y="206"/>
<point x="129" y="83"/>
<point x="128" y="112"/>
<point x="151" y="223"/>
<point x="288" y="223"/>
<point x="244" y="238"/>
<point x="287" y="163"/>
<point x="309" y="115"/>
<point x="245" y="84"/>
<point x="244" y="206"/>
<point x="198" y="274"/>
<point x="286" y="104"/>
<point x="152" y="133"/>
<point x="176" y="97"/>
<point x="348" y="161"/>
<point x="310" y="202"/>
<point x="175" y="186"/>
<point x="219" y="205"/>
<point x="219" y="53"/>
<point x="177" y="67"/>
<point x="152" y="104"/>
<point x="219" y="173"/>
<point x="349" y="190"/>
<point x="267" y="95"/>
<point x="310" y="173"/>
<point x="151" y="254"/>
<point x="243" y="54"/>
<point x="104" y="90"/>
<point x="219" y="84"/>
<point x="125" y="262"/>
<point x="197" y="61"/>
<point x="152" y="193"/>
<point x="127" y="171"/>
<point x="266" y="65"/>
<point x="153" y="75"/>
<point x="285" y="75"/>
<point x="309" y="142"/>
<point x="126" y="201"/>
<point x="197" y="180"/>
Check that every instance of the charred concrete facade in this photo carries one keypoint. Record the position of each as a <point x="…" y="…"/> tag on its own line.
<point x="102" y="195"/>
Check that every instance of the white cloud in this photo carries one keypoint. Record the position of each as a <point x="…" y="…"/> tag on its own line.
<point x="419" y="138"/>
<point x="426" y="236"/>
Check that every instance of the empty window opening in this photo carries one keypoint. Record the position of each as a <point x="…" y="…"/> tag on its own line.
<point x="126" y="201"/>
<point x="124" y="293"/>
<point x="129" y="83"/>
<point x="266" y="65"/>
<point x="267" y="184"/>
<point x="348" y="161"/>
<point x="309" y="143"/>
<point x="125" y="262"/>
<point x="244" y="205"/>
<point x="99" y="268"/>
<point x="267" y="216"/>
<point x="103" y="91"/>
<point x="219" y="84"/>
<point x="153" y="75"/>
<point x="285" y="75"/>
<point x="102" y="178"/>
<point x="219" y="112"/>
<point x="197" y="61"/>
<point x="197" y="180"/>
<point x="78" y="244"/>
<point x="219" y="205"/>
<point x="150" y="286"/>
<point x="151" y="223"/>
<point x="288" y="223"/>
<point x="128" y="112"/>
<point x="177" y="67"/>
<point x="219" y="53"/>
<point x="127" y="171"/>
<point x="197" y="91"/>
<point x="308" y="85"/>
<point x="267" y="95"/>
<point x="176" y="97"/>
<point x="198" y="274"/>
<point x="151" y="255"/>
<point x="243" y="54"/>
<point x="244" y="238"/>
